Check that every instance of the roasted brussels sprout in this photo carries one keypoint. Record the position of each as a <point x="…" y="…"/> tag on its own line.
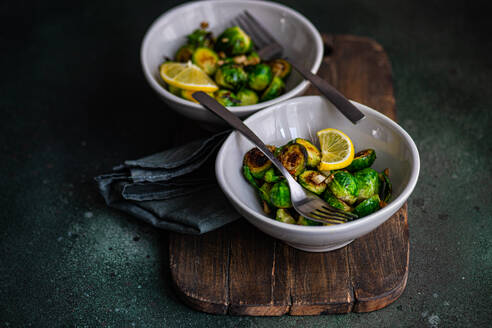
<point x="367" y="183"/>
<point x="247" y="97"/>
<point x="252" y="59"/>
<point x="257" y="163"/>
<point x="259" y="77"/>
<point x="249" y="177"/>
<point x="294" y="157"/>
<point x="280" y="195"/>
<point x="201" y="38"/>
<point x="231" y="76"/>
<point x="271" y="175"/>
<point x="274" y="90"/>
<point x="368" y="206"/>
<point x="226" y="98"/>
<point x="264" y="192"/>
<point x="335" y="202"/>
<point x="234" y="41"/>
<point x="385" y="187"/>
<point x="344" y="187"/>
<point x="361" y="160"/>
<point x="280" y="68"/>
<point x="306" y="222"/>
<point x="206" y="59"/>
<point x="314" y="155"/>
<point x="184" y="53"/>
<point x="283" y="215"/>
<point x="313" y="181"/>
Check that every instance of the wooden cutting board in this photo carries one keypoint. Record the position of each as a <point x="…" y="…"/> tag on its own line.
<point x="239" y="270"/>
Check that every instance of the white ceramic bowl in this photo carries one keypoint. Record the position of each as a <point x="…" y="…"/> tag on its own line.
<point x="303" y="117"/>
<point x="299" y="37"/>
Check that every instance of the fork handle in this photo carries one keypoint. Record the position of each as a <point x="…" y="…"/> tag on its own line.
<point x="222" y="112"/>
<point x="341" y="103"/>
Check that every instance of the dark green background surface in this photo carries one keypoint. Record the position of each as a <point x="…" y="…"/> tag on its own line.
<point x="74" y="103"/>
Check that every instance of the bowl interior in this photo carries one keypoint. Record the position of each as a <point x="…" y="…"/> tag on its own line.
<point x="303" y="117"/>
<point x="169" y="31"/>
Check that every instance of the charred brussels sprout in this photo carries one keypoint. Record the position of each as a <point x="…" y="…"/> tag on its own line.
<point x="231" y="76"/>
<point x="335" y="202"/>
<point x="313" y="181"/>
<point x="293" y="157"/>
<point x="362" y="159"/>
<point x="234" y="41"/>
<point x="280" y="68"/>
<point x="280" y="195"/>
<point x="247" y="97"/>
<point x="201" y="38"/>
<point x="184" y="53"/>
<point x="314" y="155"/>
<point x="274" y="90"/>
<point x="226" y="98"/>
<point x="368" y="206"/>
<point x="257" y="163"/>
<point x="367" y="183"/>
<point x="284" y="216"/>
<point x="271" y="175"/>
<point x="259" y="77"/>
<point x="344" y="187"/>
<point x="385" y="187"/>
<point x="206" y="59"/>
<point x="306" y="222"/>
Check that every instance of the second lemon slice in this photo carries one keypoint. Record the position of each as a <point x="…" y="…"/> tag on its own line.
<point x="337" y="150"/>
<point x="187" y="76"/>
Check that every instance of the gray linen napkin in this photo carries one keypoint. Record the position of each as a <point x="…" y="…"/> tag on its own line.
<point x="173" y="190"/>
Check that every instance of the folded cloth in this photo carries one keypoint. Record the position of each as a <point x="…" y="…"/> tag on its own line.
<point x="173" y="190"/>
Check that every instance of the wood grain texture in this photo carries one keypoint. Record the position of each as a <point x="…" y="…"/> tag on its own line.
<point x="239" y="270"/>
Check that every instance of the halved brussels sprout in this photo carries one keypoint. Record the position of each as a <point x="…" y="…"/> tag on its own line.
<point x="249" y="177"/>
<point x="271" y="175"/>
<point x="368" y="206"/>
<point x="313" y="181"/>
<point x="274" y="90"/>
<point x="247" y="97"/>
<point x="385" y="187"/>
<point x="306" y="222"/>
<point x="252" y="59"/>
<point x="284" y="216"/>
<point x="264" y="192"/>
<point x="314" y="155"/>
<point x="257" y="163"/>
<point x="231" y="76"/>
<point x="367" y="183"/>
<point x="234" y="41"/>
<point x="201" y="38"/>
<point x="184" y="53"/>
<point x="294" y="157"/>
<point x="361" y="160"/>
<point x="280" y="195"/>
<point x="280" y="68"/>
<point x="344" y="187"/>
<point x="259" y="77"/>
<point x="226" y="98"/>
<point x="206" y="59"/>
<point x="335" y="202"/>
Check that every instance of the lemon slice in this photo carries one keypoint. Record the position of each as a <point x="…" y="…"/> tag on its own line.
<point x="187" y="76"/>
<point x="337" y="150"/>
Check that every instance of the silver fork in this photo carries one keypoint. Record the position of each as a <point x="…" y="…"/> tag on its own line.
<point x="269" y="48"/>
<point x="306" y="203"/>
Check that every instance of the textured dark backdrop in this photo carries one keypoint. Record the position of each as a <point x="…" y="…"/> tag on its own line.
<point x="73" y="103"/>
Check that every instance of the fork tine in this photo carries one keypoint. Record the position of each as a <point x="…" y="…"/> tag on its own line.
<point x="331" y="215"/>
<point x="252" y="31"/>
<point x="348" y="214"/>
<point x="324" y="219"/>
<point x="259" y="26"/>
